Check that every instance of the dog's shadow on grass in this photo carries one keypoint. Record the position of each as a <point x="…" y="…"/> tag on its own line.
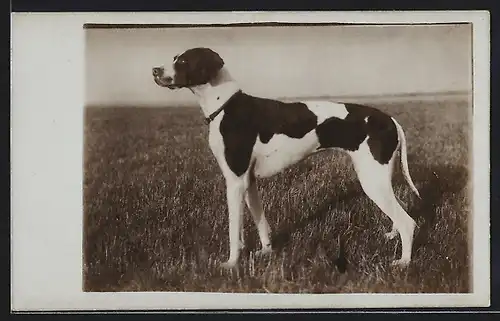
<point x="282" y="237"/>
<point x="436" y="183"/>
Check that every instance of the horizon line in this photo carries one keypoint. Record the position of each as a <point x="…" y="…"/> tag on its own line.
<point x="381" y="98"/>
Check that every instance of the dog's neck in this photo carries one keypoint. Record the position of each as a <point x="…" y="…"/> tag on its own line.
<point x="213" y="95"/>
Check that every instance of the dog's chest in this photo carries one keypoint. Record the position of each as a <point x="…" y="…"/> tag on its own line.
<point x="267" y="158"/>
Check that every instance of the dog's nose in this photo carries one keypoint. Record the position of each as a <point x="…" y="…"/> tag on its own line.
<point x="158" y="71"/>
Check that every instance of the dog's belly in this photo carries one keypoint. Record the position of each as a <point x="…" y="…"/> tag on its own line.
<point x="281" y="152"/>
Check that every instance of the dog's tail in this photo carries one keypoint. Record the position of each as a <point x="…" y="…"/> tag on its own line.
<point x="404" y="160"/>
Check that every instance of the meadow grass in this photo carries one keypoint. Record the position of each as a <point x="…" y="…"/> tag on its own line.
<point x="155" y="213"/>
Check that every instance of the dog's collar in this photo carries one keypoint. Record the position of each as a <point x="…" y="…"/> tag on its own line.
<point x="212" y="116"/>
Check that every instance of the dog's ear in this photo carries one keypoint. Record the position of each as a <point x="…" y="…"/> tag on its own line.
<point x="212" y="64"/>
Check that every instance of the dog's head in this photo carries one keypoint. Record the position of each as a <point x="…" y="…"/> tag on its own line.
<point x="194" y="67"/>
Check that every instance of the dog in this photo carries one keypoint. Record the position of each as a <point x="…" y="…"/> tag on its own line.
<point x="253" y="137"/>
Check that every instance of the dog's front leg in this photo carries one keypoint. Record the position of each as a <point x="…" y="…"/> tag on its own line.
<point x="235" y="191"/>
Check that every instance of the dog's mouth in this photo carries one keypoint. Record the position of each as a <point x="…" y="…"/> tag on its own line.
<point x="166" y="82"/>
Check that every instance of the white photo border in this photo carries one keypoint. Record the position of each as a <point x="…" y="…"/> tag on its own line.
<point x="48" y="53"/>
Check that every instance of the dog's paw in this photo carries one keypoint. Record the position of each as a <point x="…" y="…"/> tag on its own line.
<point x="228" y="265"/>
<point x="401" y="263"/>
<point x="392" y="234"/>
<point x="264" y="251"/>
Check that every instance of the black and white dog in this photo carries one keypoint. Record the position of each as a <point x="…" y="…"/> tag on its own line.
<point x="255" y="137"/>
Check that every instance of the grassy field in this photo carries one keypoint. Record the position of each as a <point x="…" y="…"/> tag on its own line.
<point x="155" y="217"/>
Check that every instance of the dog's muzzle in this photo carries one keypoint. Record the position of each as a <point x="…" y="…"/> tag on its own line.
<point x="162" y="80"/>
<point x="158" y="71"/>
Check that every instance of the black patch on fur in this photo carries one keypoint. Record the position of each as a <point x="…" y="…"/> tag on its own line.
<point x="350" y="132"/>
<point x="345" y="134"/>
<point x="247" y="118"/>
<point x="196" y="66"/>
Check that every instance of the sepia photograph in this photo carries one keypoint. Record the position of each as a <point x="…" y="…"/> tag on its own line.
<point x="278" y="158"/>
<point x="252" y="161"/>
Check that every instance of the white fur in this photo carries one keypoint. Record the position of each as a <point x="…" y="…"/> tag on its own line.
<point x="375" y="179"/>
<point x="212" y="95"/>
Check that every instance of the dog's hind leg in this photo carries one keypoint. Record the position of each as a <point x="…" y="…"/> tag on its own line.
<point x="254" y="204"/>
<point x="375" y="179"/>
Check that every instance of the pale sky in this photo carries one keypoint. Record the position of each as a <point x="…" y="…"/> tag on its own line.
<point x="283" y="61"/>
